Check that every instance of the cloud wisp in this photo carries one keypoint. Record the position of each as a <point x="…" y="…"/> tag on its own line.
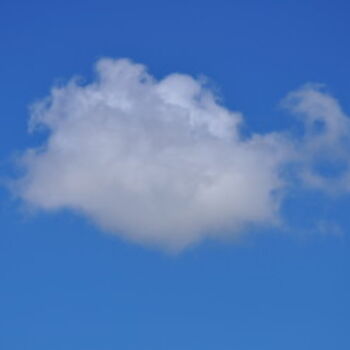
<point x="162" y="162"/>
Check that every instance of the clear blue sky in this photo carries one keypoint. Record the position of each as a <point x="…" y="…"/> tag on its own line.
<point x="66" y="285"/>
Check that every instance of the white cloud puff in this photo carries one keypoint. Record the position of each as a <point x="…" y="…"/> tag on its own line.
<point x="161" y="162"/>
<point x="323" y="150"/>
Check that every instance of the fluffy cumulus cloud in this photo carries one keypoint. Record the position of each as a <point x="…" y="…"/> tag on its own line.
<point x="162" y="162"/>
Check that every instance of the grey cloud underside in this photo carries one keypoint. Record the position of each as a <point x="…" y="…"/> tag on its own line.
<point x="162" y="162"/>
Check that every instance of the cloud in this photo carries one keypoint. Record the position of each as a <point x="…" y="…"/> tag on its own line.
<point x="161" y="161"/>
<point x="323" y="150"/>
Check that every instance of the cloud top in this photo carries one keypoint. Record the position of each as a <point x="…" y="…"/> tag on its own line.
<point x="161" y="161"/>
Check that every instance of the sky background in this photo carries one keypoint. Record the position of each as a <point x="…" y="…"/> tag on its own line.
<point x="66" y="285"/>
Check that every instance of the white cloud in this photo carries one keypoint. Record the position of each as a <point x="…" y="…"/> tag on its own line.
<point x="323" y="150"/>
<point x="162" y="162"/>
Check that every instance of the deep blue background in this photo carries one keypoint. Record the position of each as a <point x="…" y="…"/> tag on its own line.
<point x="65" y="285"/>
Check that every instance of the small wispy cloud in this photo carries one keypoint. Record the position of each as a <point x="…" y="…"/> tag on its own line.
<point x="163" y="163"/>
<point x="323" y="151"/>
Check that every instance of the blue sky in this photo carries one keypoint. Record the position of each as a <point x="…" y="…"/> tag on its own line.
<point x="282" y="282"/>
